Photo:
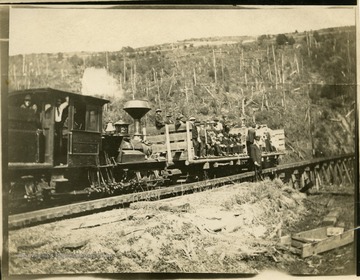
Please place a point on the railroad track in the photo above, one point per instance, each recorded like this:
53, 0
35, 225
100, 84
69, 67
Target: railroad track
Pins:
302, 175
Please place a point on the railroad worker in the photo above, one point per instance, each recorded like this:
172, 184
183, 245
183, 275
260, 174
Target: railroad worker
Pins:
238, 143
168, 119
194, 136
179, 122
256, 158
250, 138
210, 125
268, 144
28, 104
216, 144
225, 124
213, 126
218, 127
59, 123
159, 122
76, 123
203, 140
233, 145
211, 139
226, 144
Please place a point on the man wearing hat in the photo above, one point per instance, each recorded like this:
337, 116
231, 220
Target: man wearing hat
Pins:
195, 136
225, 125
159, 122
168, 119
218, 127
250, 138
256, 158
179, 122
61, 112
203, 139
28, 104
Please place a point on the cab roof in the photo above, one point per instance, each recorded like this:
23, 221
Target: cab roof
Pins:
55, 93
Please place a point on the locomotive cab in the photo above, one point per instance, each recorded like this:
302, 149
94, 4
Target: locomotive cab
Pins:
46, 134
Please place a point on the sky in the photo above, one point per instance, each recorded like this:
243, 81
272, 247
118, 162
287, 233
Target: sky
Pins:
59, 29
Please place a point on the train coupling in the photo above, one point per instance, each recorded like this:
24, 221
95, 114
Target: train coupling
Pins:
171, 174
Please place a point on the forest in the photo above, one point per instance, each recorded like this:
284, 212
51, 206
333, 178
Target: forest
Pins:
303, 82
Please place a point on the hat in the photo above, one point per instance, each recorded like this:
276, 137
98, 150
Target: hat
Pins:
158, 110
169, 115
179, 117
216, 119
197, 122
220, 135
28, 97
192, 119
211, 122
257, 137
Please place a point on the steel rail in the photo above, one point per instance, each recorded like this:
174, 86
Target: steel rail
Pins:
29, 218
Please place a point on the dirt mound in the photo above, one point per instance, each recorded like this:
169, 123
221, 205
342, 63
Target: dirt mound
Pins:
220, 230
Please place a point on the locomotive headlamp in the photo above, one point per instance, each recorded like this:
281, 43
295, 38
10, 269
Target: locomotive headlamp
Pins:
122, 128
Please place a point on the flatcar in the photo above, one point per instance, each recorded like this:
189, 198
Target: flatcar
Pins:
58, 147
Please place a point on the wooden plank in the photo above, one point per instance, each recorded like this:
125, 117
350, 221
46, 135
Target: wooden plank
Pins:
333, 173
297, 244
189, 143
85, 148
156, 139
317, 179
158, 148
313, 233
308, 240
347, 172
325, 174
86, 137
178, 146
328, 244
294, 181
286, 240
168, 148
339, 172
329, 221
175, 137
331, 231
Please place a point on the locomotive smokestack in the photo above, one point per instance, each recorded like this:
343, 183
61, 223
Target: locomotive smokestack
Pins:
137, 109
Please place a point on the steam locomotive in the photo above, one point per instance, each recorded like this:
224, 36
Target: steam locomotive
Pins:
83, 160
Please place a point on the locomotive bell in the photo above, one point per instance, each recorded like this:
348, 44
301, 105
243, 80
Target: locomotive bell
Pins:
137, 109
122, 128
109, 128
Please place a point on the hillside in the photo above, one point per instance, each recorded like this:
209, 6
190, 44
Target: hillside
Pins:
302, 82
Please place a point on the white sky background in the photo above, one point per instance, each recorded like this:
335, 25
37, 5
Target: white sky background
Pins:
52, 30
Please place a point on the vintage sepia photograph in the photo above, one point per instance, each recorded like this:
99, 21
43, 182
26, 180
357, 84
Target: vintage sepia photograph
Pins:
177, 140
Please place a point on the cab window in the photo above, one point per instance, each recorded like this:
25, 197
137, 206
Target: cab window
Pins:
92, 118
79, 116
